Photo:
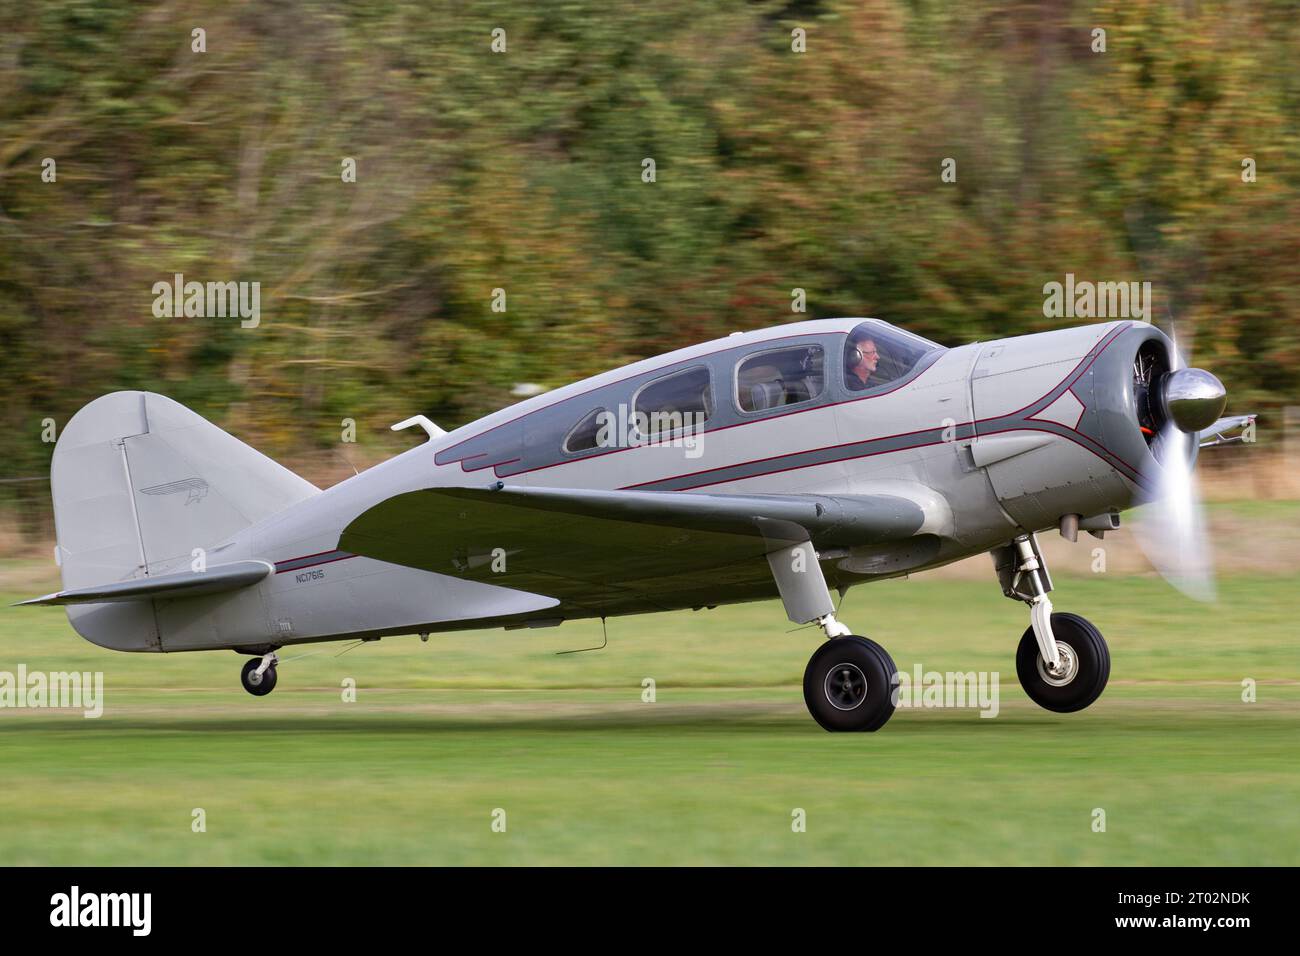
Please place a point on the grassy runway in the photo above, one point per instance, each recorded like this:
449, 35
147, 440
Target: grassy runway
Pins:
444, 733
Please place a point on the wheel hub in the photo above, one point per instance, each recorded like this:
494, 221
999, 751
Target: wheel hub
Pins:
1065, 672
845, 686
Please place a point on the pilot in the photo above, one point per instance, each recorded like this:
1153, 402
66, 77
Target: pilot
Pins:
860, 359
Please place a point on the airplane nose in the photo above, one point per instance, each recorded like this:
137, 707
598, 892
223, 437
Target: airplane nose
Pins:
1194, 399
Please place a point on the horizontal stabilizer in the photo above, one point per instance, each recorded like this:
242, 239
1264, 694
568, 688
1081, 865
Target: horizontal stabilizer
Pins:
222, 577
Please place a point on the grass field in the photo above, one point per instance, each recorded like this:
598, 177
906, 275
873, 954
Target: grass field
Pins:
442, 734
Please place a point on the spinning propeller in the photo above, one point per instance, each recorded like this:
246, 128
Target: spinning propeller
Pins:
1171, 530
1184, 401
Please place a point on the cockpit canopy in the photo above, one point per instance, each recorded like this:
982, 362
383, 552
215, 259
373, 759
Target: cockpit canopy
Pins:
876, 353
715, 386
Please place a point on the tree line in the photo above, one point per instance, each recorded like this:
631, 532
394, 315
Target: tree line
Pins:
435, 212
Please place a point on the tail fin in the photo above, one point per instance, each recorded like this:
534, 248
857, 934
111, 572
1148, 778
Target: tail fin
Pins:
139, 481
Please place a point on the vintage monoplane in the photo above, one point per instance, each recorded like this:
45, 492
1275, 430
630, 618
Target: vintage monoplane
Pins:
786, 462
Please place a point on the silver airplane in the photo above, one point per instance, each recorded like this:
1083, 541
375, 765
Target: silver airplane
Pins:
784, 462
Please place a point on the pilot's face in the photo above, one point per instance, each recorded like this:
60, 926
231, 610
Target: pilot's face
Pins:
870, 357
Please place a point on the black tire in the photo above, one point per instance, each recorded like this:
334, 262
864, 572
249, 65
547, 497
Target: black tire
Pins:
1091, 671
265, 685
850, 684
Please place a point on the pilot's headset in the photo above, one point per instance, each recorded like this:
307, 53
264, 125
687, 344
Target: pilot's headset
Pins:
853, 355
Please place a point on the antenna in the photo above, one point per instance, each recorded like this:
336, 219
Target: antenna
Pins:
601, 647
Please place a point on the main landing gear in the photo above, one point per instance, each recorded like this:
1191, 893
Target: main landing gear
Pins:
258, 675
851, 682
1063, 662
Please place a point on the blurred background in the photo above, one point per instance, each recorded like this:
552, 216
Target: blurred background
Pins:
522, 170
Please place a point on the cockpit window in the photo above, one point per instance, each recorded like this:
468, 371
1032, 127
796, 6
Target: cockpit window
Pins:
780, 377
876, 354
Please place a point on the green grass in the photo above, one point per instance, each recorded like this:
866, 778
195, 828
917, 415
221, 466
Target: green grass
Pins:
443, 733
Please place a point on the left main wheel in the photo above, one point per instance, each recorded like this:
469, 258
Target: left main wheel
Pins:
850, 684
258, 686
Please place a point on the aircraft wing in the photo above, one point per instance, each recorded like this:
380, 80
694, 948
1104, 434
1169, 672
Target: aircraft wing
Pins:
603, 549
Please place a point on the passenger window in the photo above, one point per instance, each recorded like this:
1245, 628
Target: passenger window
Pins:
683, 400
584, 434
782, 377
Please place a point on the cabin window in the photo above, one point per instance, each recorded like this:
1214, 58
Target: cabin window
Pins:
788, 376
681, 400
877, 353
584, 435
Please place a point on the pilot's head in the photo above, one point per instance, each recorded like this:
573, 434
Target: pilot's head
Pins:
862, 360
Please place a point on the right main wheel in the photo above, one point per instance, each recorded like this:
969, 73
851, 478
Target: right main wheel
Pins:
1085, 665
850, 684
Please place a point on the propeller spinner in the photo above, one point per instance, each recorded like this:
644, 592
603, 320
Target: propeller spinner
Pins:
1194, 399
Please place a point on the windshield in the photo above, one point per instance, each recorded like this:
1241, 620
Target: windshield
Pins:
876, 353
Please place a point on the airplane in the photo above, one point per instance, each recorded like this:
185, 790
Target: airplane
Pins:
783, 463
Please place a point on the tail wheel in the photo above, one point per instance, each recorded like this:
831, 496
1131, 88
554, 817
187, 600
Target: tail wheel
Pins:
850, 683
1084, 670
257, 685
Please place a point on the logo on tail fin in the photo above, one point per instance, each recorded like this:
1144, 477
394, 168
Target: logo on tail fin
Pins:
196, 487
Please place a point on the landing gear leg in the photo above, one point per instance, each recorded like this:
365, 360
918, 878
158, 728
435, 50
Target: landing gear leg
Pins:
850, 683
1063, 662
258, 675
1031, 584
